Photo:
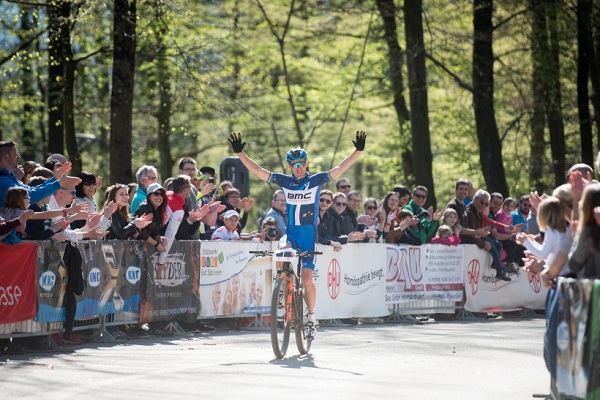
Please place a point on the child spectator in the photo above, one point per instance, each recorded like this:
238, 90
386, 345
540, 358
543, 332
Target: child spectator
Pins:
16, 201
450, 218
445, 235
400, 232
504, 214
229, 231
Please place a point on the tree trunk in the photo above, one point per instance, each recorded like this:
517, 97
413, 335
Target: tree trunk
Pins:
387, 9
554, 99
69, 113
539, 38
583, 99
163, 74
121, 104
490, 147
58, 16
595, 63
27, 87
417, 84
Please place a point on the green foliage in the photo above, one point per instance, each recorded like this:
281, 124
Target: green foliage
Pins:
226, 74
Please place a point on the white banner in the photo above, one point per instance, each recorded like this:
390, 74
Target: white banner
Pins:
234, 282
351, 283
427, 272
485, 292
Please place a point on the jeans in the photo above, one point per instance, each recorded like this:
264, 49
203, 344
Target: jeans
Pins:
495, 252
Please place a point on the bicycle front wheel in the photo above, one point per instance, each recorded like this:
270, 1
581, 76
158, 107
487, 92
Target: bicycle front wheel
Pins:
301, 342
281, 314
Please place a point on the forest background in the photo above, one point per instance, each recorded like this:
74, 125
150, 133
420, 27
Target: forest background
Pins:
506, 94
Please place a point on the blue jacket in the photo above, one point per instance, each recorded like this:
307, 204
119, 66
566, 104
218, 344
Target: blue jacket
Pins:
37, 193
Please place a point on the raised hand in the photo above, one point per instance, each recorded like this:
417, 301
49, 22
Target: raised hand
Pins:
361, 138
236, 142
63, 170
110, 209
247, 204
75, 208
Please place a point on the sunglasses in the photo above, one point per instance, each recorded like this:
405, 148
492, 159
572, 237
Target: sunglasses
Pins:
421, 196
324, 200
345, 186
340, 204
371, 207
158, 194
90, 184
298, 164
73, 192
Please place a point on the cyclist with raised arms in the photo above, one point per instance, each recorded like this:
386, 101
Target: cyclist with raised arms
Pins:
301, 191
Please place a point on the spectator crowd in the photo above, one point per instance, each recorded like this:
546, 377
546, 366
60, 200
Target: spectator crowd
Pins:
553, 234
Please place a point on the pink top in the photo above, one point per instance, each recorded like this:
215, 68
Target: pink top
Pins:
453, 240
503, 218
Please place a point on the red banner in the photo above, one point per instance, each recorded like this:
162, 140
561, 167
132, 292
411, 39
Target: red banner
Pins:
17, 282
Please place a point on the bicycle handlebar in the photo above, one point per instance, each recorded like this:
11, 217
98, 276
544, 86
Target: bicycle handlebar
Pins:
265, 253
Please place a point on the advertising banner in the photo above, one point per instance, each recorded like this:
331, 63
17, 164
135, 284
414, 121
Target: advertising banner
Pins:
573, 308
171, 293
234, 282
112, 271
51, 281
593, 345
427, 272
351, 282
17, 282
486, 292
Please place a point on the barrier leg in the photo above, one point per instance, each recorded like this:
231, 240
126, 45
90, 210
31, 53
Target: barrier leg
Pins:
259, 324
101, 335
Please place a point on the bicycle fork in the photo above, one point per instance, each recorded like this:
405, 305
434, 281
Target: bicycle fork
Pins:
289, 304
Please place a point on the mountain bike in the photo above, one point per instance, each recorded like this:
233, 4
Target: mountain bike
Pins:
287, 304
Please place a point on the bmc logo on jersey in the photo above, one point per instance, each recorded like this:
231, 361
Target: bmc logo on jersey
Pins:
300, 197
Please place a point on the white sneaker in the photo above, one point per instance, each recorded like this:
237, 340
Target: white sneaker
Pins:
311, 330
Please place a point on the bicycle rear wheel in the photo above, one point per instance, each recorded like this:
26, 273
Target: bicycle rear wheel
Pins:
302, 344
281, 313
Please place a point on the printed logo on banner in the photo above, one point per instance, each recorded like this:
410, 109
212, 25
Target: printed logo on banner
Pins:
47, 281
133, 274
173, 272
473, 271
94, 277
407, 269
334, 277
534, 281
10, 295
562, 335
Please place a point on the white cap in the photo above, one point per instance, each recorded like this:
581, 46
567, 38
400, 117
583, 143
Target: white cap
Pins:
231, 213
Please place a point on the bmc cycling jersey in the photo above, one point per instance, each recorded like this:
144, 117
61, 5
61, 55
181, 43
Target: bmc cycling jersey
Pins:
302, 203
301, 196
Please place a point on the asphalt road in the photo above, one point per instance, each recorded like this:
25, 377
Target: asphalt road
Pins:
473, 359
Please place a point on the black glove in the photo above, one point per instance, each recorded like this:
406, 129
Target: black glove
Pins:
361, 138
236, 142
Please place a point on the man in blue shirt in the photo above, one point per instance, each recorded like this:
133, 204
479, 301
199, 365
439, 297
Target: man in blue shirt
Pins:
301, 190
519, 216
9, 160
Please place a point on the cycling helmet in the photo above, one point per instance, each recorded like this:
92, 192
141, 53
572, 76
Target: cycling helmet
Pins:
295, 155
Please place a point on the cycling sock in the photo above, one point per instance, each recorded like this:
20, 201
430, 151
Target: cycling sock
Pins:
311, 315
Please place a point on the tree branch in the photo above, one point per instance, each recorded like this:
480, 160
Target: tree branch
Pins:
21, 47
456, 78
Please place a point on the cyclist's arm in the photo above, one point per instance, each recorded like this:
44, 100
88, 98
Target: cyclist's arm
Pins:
253, 167
336, 172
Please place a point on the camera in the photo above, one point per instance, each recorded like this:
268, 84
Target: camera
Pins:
211, 180
272, 233
421, 214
